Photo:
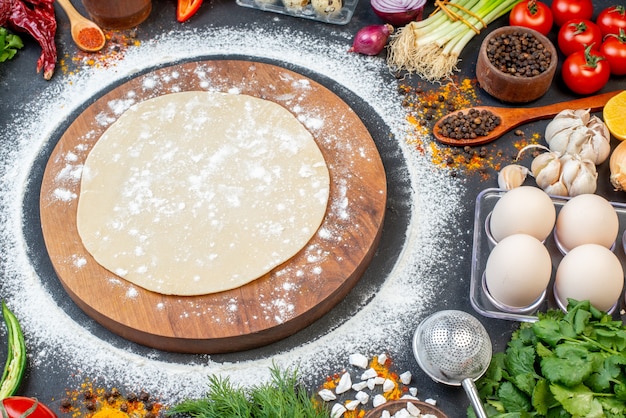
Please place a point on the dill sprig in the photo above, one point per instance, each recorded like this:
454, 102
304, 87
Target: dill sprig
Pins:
284, 395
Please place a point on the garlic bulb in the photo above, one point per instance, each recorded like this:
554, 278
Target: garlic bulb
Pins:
546, 168
577, 132
578, 174
617, 165
512, 176
564, 174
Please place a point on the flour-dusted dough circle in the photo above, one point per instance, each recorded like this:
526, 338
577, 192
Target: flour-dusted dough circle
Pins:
197, 192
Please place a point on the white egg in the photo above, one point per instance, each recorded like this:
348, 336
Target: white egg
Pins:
518, 270
523, 210
590, 272
586, 219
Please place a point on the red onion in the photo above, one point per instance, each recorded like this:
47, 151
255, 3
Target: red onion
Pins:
371, 40
398, 12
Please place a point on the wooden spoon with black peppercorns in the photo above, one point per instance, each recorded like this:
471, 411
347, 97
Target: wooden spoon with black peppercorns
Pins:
462, 128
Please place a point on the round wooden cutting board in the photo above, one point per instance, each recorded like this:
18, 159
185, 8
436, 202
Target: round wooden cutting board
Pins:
276, 305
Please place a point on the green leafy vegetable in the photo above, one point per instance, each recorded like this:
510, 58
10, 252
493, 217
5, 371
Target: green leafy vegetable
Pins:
283, 396
9, 44
564, 365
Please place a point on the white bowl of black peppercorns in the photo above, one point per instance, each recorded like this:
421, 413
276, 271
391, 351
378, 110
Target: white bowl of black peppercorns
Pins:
516, 64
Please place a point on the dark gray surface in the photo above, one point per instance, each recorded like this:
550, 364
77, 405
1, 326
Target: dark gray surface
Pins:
18, 79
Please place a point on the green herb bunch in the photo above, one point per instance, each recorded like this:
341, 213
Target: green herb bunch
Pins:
9, 44
283, 396
563, 365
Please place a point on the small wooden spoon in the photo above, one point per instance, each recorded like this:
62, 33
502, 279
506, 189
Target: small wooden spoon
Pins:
80, 23
514, 117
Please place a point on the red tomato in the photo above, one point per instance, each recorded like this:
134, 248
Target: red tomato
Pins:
612, 19
614, 49
577, 34
564, 10
532, 14
16, 406
586, 72
186, 8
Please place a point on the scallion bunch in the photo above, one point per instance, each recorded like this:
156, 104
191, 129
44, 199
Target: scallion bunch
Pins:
431, 47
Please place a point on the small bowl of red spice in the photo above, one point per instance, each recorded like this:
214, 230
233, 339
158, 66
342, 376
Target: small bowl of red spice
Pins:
516, 64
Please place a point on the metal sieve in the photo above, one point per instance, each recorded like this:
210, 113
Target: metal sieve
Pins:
453, 347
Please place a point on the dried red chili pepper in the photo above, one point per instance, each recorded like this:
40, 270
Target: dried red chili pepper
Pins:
5, 11
38, 19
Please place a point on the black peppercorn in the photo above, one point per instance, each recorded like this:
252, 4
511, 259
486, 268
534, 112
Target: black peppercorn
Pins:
144, 396
518, 54
468, 125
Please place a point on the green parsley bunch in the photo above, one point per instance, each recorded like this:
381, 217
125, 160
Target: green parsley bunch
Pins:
9, 44
563, 365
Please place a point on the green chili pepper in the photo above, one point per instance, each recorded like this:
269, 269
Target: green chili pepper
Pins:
16, 355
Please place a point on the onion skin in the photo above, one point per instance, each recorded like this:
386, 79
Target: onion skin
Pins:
398, 12
400, 18
371, 40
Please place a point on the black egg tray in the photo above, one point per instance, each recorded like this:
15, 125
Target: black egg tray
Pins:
480, 300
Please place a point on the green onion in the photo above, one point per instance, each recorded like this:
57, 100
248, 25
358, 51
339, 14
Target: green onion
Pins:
431, 47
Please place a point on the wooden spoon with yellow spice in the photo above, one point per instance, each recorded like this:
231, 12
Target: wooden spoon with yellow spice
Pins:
86, 34
510, 118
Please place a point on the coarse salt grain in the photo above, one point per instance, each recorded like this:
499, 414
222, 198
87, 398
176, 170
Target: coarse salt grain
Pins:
337, 410
60, 340
345, 383
378, 400
358, 360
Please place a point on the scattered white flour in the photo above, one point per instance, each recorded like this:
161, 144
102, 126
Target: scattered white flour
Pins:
383, 324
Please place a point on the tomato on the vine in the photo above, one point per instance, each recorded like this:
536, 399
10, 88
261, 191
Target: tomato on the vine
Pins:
586, 72
564, 10
18, 406
614, 49
578, 34
612, 19
532, 14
